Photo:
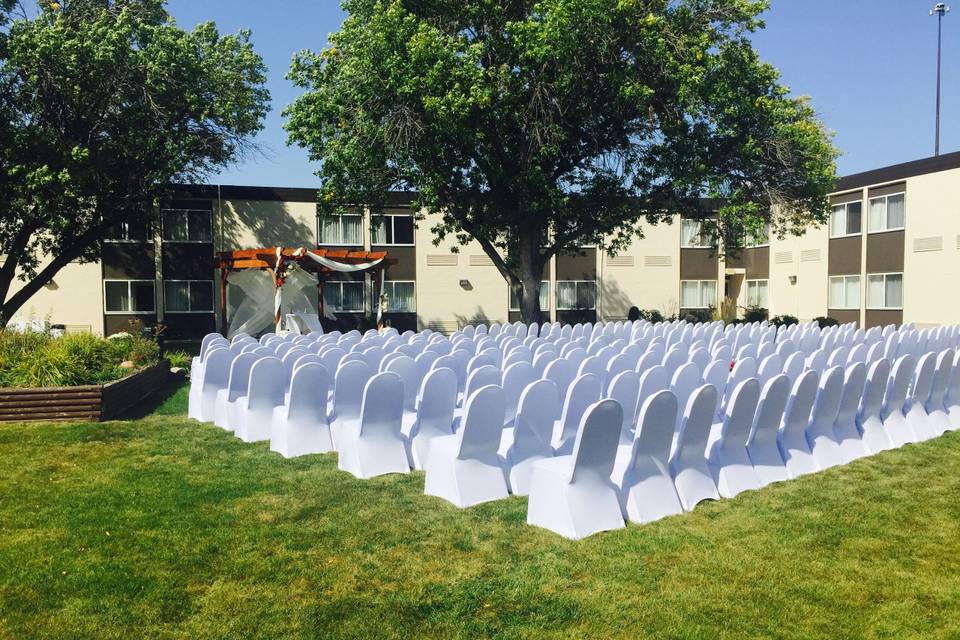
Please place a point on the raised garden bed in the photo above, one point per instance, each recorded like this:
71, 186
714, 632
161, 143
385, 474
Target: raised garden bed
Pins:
88, 403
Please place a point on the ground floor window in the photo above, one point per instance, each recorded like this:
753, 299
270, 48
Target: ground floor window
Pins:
401, 296
188, 296
698, 294
576, 295
757, 293
544, 297
844, 292
128, 296
343, 296
885, 291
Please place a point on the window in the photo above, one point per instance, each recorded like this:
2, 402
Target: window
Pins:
758, 239
757, 293
544, 297
187, 225
342, 230
887, 213
393, 230
693, 236
844, 292
845, 219
401, 296
698, 294
885, 291
343, 296
128, 296
130, 231
188, 296
576, 294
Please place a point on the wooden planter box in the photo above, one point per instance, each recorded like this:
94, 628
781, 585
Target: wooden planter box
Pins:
91, 403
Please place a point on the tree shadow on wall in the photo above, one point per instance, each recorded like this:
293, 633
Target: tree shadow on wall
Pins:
270, 223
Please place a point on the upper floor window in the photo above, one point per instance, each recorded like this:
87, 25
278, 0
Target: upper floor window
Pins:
576, 295
401, 296
759, 238
188, 296
693, 235
341, 230
698, 294
885, 291
187, 225
757, 293
845, 219
128, 296
129, 231
544, 297
844, 292
393, 229
344, 296
887, 213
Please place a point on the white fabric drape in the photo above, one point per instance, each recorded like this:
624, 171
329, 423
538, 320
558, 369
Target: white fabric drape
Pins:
251, 297
341, 267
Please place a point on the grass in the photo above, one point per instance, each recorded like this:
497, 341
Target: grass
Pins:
162, 528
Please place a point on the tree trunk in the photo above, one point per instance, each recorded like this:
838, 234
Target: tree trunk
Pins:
530, 271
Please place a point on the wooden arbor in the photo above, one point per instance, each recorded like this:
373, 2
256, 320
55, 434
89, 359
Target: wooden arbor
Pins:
278, 260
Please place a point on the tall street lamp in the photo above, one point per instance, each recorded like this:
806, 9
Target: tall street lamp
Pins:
940, 9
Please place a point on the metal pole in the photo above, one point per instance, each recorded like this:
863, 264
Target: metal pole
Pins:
940, 9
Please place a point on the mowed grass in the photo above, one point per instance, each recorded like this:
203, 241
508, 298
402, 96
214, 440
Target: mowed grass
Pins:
163, 528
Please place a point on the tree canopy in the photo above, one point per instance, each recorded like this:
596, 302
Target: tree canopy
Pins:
106, 104
539, 126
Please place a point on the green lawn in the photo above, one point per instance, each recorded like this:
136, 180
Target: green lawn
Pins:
163, 528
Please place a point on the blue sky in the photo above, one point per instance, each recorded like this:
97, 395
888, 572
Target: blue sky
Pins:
869, 66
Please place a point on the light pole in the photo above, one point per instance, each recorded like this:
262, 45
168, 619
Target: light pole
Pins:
940, 9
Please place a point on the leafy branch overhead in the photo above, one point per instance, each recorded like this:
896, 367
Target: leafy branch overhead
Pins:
535, 127
106, 105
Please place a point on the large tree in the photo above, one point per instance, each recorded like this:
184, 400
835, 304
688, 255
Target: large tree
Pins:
538, 126
105, 104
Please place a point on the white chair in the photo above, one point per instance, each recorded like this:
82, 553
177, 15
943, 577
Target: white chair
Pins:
216, 376
952, 401
438, 397
869, 422
409, 372
728, 460
845, 426
762, 441
573, 495
264, 393
529, 440
792, 437
646, 487
684, 382
516, 377
894, 421
373, 446
937, 417
820, 435
349, 383
560, 372
224, 405
688, 464
464, 468
915, 409
197, 372
301, 427
583, 392
625, 389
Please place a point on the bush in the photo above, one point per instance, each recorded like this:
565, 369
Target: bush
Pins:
755, 314
826, 321
784, 320
651, 315
179, 359
37, 359
699, 315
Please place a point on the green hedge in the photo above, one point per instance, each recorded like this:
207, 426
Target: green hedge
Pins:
33, 359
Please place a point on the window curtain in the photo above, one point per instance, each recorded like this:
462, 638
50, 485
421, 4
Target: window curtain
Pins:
176, 296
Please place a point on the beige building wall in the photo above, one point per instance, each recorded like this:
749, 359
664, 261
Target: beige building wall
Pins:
646, 275
932, 249
441, 297
74, 298
804, 259
251, 224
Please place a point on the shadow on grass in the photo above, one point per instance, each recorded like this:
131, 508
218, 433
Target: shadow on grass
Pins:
169, 400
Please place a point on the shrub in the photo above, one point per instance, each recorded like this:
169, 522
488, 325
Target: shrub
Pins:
784, 320
826, 321
699, 315
143, 352
179, 359
651, 315
755, 314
